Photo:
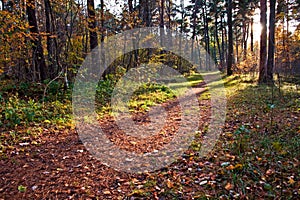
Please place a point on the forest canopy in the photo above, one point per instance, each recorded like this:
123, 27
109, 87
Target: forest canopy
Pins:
43, 39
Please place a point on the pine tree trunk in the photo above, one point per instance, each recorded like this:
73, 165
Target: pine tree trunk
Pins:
271, 52
230, 39
218, 40
251, 36
223, 32
263, 43
206, 37
237, 46
161, 20
194, 16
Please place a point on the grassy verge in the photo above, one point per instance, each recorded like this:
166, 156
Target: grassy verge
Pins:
257, 157
24, 116
147, 95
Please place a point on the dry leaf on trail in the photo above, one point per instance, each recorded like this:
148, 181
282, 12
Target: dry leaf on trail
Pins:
106, 192
170, 184
229, 186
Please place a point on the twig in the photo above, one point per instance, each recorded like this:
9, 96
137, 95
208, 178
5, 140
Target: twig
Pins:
45, 90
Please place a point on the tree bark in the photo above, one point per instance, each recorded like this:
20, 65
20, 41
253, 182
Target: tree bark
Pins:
224, 50
130, 6
92, 24
161, 21
251, 36
194, 33
102, 21
37, 48
230, 39
145, 12
271, 52
218, 39
245, 39
51, 41
237, 45
206, 36
263, 43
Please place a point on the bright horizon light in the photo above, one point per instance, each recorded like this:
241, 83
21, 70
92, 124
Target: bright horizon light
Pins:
116, 8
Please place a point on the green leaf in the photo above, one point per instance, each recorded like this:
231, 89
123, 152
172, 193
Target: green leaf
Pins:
21, 188
267, 186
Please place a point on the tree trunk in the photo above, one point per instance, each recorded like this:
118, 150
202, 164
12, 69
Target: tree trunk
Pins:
92, 24
37, 49
194, 16
2, 5
181, 32
263, 43
224, 50
102, 21
271, 52
245, 40
130, 6
251, 36
169, 12
237, 46
51, 41
288, 56
145, 12
161, 21
230, 39
169, 16
206, 36
218, 40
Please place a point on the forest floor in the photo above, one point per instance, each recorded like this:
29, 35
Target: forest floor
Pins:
256, 156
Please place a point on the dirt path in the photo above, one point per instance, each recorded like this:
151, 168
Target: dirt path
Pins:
61, 168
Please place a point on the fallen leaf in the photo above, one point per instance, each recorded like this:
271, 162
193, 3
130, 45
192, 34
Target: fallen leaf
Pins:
229, 186
106, 192
230, 167
270, 172
258, 158
203, 182
169, 184
225, 164
22, 188
34, 187
291, 181
238, 166
24, 144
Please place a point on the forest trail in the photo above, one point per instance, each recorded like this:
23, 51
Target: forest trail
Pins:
252, 157
60, 167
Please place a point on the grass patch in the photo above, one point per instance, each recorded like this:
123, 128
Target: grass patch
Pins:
23, 115
256, 157
146, 96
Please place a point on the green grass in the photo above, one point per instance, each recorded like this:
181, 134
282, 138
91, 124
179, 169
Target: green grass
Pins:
149, 95
260, 143
146, 96
24, 116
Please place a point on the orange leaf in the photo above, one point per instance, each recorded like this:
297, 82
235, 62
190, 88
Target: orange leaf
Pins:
106, 192
229, 186
291, 181
170, 184
230, 167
